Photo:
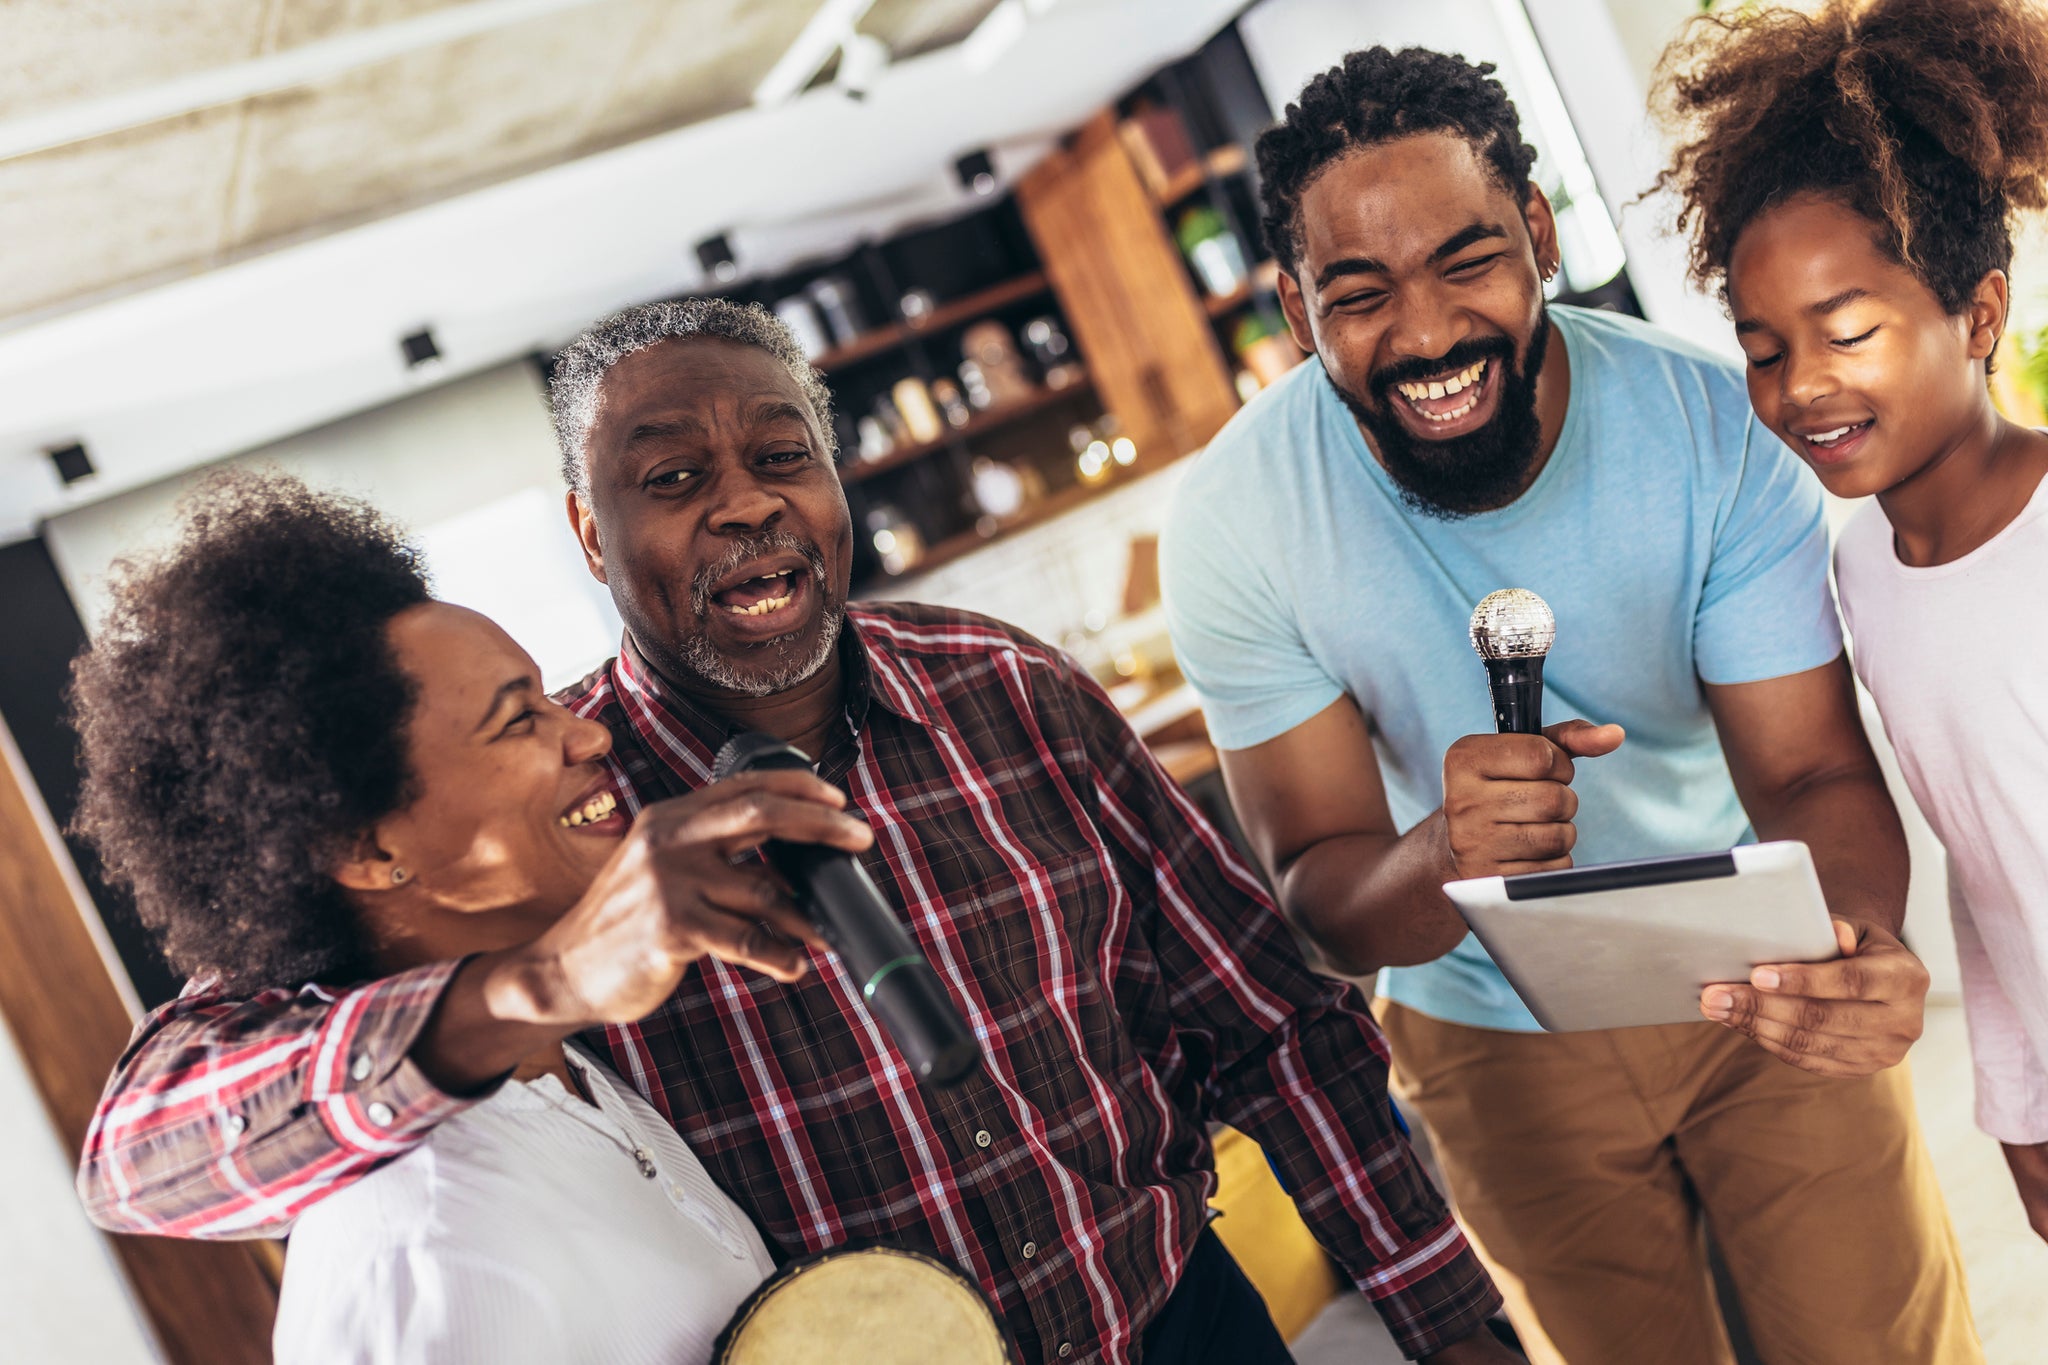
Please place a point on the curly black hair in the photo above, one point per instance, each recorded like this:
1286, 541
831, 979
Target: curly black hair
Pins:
1930, 120
243, 721
1377, 96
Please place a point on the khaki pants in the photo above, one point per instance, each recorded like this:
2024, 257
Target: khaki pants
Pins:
1581, 1163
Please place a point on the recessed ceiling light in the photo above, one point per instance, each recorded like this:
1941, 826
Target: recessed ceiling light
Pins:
422, 354
976, 172
714, 254
72, 462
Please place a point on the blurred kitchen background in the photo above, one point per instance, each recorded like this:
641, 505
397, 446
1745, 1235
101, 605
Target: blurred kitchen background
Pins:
346, 237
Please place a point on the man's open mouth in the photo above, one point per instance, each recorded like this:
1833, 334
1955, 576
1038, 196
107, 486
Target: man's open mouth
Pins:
1449, 397
761, 595
1448, 403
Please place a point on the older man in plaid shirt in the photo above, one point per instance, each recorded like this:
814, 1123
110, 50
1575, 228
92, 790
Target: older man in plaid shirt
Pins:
1125, 973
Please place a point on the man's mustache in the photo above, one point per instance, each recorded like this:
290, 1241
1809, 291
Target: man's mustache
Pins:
1466, 352
744, 549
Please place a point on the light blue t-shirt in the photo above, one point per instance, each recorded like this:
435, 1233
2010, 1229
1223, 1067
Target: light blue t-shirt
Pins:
1676, 539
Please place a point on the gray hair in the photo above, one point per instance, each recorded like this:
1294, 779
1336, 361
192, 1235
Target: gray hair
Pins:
576, 392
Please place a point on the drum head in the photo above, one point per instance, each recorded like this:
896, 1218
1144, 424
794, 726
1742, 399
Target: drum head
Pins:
876, 1305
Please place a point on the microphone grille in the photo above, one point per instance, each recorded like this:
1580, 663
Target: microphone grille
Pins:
1513, 623
752, 749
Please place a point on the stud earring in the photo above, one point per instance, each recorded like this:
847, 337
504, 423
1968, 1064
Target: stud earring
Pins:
398, 876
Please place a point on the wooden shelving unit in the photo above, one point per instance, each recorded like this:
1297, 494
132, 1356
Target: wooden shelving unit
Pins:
1044, 510
1099, 215
1129, 302
1263, 280
959, 310
1227, 160
978, 425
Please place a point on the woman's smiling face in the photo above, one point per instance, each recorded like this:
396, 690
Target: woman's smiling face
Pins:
1852, 360
512, 813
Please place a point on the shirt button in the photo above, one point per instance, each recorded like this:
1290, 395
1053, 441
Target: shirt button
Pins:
380, 1114
236, 1124
1030, 1250
361, 1070
1066, 1349
982, 1139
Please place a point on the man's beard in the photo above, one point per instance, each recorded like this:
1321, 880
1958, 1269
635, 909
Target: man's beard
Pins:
1460, 475
774, 666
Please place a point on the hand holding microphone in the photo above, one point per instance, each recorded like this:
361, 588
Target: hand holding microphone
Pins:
1508, 802
895, 982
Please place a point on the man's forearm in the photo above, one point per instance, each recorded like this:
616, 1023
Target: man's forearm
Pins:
1368, 901
1859, 847
496, 1012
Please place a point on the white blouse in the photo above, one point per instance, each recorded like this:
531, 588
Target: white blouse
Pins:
531, 1227
1956, 656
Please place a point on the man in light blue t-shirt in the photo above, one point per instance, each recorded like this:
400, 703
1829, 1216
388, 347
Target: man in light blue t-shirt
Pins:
1452, 436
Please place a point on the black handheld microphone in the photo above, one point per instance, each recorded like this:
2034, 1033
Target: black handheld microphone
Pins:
900, 987
1513, 629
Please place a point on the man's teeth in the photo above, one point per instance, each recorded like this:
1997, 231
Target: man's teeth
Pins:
768, 604
1445, 388
593, 810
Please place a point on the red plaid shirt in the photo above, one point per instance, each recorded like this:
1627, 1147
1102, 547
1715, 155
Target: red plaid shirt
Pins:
1126, 974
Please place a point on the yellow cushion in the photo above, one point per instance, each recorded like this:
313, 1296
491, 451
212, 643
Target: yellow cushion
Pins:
1265, 1234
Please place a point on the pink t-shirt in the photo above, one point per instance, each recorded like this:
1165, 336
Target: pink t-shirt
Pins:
1957, 658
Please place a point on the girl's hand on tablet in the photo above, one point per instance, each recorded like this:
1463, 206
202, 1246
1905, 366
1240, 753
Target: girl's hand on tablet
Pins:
1854, 1016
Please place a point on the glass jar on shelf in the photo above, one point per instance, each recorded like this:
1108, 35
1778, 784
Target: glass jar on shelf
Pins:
1212, 250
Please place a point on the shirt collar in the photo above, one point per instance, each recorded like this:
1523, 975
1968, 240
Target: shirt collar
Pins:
885, 677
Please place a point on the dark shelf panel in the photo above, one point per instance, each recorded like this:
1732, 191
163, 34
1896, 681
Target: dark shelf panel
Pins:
979, 424
945, 315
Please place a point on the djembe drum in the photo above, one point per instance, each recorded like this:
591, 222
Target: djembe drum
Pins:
876, 1305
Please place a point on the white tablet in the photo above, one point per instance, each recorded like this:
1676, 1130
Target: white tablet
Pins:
1617, 945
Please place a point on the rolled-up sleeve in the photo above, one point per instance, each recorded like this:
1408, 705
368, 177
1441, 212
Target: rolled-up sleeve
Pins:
226, 1118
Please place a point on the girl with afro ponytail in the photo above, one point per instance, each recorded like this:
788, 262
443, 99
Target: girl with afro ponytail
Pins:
1850, 177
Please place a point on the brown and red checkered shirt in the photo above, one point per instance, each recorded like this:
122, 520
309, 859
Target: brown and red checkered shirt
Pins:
1127, 976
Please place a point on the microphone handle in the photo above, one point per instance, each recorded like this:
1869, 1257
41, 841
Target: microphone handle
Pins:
1517, 686
896, 983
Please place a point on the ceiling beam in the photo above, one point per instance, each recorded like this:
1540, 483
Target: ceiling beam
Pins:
830, 27
297, 66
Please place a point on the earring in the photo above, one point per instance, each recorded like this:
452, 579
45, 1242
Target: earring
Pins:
398, 876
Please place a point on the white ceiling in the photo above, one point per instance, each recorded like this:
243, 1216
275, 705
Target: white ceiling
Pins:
199, 285
535, 84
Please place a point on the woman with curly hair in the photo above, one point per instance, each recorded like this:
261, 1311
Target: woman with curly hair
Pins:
1850, 178
310, 770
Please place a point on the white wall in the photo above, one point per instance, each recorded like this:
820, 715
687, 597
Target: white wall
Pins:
470, 468
63, 1297
1063, 580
